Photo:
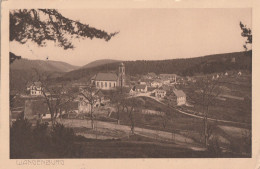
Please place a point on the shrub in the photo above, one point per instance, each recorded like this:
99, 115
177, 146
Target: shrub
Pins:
63, 141
41, 136
214, 147
20, 139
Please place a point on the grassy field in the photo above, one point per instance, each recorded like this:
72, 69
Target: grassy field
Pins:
133, 147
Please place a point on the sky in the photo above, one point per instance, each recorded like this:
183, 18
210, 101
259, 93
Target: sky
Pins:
148, 34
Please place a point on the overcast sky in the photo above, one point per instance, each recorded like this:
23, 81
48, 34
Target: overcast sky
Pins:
148, 34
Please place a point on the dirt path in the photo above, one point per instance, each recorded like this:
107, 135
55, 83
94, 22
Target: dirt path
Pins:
193, 115
153, 134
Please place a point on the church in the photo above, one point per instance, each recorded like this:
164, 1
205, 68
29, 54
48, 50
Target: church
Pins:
108, 81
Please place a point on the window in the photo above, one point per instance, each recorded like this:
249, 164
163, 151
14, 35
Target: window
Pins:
105, 84
109, 84
101, 84
97, 84
114, 84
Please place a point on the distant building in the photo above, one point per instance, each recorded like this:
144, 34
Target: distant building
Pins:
180, 97
239, 73
139, 88
159, 93
171, 77
226, 74
108, 81
156, 83
35, 88
151, 75
233, 60
142, 83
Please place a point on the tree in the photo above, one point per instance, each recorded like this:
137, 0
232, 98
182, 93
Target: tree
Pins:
132, 105
56, 97
247, 33
42, 25
90, 95
208, 90
117, 98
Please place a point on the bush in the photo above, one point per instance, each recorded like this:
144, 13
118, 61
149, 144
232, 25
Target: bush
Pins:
63, 141
60, 141
20, 139
41, 136
214, 147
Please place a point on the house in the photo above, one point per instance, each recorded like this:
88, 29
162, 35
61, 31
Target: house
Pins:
156, 83
239, 73
226, 74
166, 82
168, 77
180, 97
142, 83
35, 88
108, 81
140, 88
151, 75
85, 107
160, 93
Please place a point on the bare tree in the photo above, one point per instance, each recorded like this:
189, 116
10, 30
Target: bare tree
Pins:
117, 98
208, 90
90, 97
55, 96
131, 106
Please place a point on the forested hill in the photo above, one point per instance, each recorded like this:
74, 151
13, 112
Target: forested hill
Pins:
189, 66
99, 63
41, 65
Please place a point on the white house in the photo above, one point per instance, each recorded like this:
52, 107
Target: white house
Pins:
140, 88
35, 88
160, 93
156, 84
239, 73
180, 97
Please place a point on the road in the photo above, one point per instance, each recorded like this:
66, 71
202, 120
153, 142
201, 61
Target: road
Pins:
153, 134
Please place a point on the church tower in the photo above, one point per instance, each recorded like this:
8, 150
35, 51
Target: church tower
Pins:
121, 75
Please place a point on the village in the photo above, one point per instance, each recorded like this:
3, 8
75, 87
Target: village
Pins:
162, 105
104, 84
161, 88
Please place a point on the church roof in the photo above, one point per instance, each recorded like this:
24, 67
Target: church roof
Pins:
106, 77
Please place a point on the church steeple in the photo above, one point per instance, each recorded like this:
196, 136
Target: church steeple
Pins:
121, 74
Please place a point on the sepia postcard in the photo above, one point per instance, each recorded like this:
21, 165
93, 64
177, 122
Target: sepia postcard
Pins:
130, 84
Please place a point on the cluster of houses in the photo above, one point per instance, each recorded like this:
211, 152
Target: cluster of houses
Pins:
160, 87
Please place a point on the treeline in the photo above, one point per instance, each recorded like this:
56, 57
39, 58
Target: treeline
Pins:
189, 66
186, 67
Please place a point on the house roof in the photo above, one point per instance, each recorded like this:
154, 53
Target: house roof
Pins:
159, 90
140, 86
37, 84
151, 74
106, 77
179, 93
